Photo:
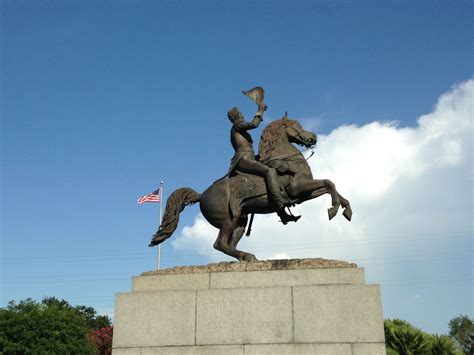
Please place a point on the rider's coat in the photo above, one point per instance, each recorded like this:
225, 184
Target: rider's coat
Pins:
242, 141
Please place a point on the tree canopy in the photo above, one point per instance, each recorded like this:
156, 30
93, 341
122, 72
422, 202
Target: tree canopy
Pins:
51, 326
402, 338
461, 329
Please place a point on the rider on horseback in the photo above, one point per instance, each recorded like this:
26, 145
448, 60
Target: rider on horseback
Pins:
245, 162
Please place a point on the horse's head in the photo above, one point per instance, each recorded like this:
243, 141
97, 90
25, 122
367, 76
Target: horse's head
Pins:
279, 133
296, 133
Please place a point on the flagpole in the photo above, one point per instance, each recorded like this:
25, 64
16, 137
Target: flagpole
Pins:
161, 216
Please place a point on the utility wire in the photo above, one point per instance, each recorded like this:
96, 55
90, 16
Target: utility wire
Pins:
358, 260
302, 246
442, 235
455, 258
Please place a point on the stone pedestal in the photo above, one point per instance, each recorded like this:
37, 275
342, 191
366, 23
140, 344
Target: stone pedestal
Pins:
301, 306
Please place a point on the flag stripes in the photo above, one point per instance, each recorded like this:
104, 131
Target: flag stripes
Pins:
155, 196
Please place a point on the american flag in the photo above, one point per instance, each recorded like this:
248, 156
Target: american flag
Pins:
155, 196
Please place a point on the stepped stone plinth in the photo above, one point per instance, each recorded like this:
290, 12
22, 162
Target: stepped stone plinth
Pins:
299, 306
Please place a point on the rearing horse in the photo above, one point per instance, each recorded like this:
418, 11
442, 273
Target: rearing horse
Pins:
227, 202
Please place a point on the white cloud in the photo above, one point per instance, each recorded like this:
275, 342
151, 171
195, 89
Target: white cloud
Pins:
411, 192
199, 238
279, 256
383, 170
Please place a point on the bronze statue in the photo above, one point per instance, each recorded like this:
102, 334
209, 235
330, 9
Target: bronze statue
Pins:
244, 159
280, 178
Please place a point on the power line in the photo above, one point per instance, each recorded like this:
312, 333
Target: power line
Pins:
416, 261
443, 235
301, 246
64, 281
128, 278
73, 275
423, 282
455, 252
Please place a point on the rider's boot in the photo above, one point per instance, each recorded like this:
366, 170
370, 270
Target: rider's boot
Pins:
285, 217
274, 189
294, 218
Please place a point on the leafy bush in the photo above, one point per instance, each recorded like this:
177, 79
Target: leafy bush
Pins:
461, 330
443, 345
402, 338
102, 339
50, 326
406, 339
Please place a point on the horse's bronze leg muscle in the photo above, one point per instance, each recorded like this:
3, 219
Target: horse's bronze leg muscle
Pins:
227, 240
300, 187
238, 232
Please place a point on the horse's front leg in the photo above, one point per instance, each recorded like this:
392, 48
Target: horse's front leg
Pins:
309, 189
347, 207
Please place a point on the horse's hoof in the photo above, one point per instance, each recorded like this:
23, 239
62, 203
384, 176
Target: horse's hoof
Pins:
332, 212
249, 258
347, 213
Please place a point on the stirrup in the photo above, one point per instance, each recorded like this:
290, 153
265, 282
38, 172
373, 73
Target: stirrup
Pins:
291, 214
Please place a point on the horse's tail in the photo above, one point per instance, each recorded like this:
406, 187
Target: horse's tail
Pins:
175, 204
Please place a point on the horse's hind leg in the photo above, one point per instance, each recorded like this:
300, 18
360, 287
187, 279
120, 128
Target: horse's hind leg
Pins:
228, 238
237, 236
238, 232
222, 238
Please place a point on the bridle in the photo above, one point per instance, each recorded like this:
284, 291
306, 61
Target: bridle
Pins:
287, 156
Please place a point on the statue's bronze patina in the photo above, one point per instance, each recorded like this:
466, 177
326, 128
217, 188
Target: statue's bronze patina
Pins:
278, 177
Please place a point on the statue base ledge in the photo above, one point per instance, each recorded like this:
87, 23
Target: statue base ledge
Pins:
264, 265
300, 306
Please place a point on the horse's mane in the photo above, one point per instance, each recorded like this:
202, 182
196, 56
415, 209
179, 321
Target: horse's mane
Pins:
269, 137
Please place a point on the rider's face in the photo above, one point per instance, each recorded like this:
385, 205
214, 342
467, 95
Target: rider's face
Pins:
240, 116
237, 116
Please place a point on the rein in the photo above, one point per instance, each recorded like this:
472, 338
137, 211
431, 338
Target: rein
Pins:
285, 156
312, 152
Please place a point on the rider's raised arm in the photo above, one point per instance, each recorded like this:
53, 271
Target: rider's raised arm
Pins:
249, 125
256, 120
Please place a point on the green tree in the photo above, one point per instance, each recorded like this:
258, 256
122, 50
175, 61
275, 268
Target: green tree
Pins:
404, 339
94, 321
443, 345
52, 326
461, 329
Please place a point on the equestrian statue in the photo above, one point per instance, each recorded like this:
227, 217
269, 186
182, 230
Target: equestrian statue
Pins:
272, 181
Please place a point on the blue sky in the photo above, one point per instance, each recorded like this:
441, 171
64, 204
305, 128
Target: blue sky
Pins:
102, 100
